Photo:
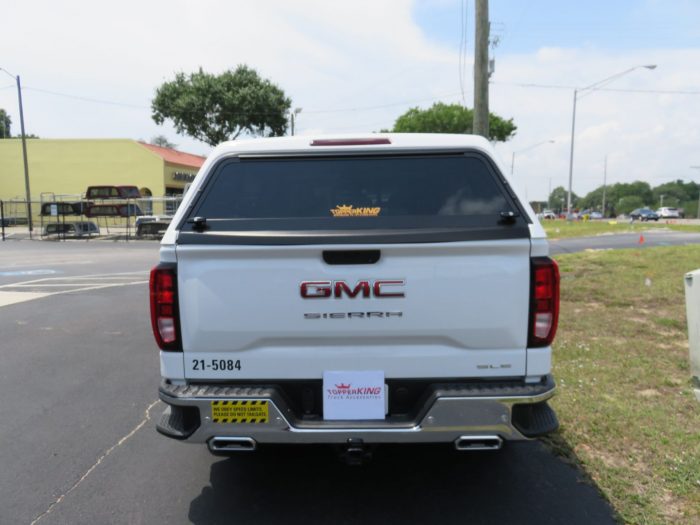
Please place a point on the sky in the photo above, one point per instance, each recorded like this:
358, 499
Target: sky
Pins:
89, 70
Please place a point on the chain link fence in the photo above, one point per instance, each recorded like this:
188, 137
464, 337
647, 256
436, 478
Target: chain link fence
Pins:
59, 217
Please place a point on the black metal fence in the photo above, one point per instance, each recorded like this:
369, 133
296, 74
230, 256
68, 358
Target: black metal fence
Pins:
69, 216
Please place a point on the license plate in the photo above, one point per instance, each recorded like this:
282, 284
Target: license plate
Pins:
240, 411
354, 395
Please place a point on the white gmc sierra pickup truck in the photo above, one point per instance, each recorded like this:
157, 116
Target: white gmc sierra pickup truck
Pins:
389, 288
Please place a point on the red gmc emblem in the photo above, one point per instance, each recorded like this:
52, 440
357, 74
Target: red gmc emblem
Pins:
364, 288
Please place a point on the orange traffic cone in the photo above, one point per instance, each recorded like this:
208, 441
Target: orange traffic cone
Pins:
641, 239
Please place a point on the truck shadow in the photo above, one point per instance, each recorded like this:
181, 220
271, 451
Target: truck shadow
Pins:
523, 483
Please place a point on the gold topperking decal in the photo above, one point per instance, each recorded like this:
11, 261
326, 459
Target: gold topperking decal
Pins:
240, 411
348, 210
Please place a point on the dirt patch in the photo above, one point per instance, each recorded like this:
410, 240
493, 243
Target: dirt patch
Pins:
649, 392
670, 507
608, 459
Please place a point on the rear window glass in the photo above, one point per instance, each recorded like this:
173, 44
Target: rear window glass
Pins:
415, 191
130, 192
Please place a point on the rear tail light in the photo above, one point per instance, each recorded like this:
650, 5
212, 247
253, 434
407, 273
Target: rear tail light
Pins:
544, 301
164, 310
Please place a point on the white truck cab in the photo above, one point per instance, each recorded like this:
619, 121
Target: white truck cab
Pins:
388, 288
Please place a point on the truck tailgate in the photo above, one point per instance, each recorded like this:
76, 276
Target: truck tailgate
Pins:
462, 310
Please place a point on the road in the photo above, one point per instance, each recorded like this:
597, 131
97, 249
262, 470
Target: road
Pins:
623, 240
78, 386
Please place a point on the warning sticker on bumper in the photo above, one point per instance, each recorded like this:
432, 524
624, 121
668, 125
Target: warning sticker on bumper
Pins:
240, 411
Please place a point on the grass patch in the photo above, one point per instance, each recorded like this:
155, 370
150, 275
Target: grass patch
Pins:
628, 414
560, 229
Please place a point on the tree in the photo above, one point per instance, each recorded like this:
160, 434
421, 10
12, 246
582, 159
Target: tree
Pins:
675, 193
451, 118
618, 194
557, 199
216, 108
5, 124
163, 142
629, 203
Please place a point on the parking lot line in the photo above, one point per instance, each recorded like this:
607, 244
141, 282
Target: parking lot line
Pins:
12, 293
8, 298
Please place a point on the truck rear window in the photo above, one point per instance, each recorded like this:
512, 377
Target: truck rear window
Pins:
353, 193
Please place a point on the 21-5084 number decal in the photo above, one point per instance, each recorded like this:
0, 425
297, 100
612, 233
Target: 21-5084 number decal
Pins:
216, 364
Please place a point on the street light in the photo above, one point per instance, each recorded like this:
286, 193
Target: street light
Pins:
24, 152
293, 114
512, 160
590, 89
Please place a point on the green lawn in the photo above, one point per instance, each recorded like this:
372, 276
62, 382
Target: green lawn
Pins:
628, 415
559, 229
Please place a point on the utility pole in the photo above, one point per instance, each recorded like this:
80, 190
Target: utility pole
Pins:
571, 156
605, 181
24, 156
481, 69
24, 151
585, 91
293, 114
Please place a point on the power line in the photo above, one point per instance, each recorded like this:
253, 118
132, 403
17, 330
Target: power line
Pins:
316, 111
382, 106
656, 91
531, 85
621, 90
86, 99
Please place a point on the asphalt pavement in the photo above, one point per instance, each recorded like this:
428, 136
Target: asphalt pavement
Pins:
78, 391
647, 239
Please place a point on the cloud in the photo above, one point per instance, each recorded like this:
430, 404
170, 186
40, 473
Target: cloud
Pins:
646, 136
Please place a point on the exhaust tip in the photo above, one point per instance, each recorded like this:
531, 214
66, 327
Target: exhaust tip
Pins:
478, 443
232, 444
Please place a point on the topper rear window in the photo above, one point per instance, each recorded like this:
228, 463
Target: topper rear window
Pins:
323, 194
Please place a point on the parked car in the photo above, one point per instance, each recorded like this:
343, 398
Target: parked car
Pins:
81, 207
596, 215
62, 208
668, 213
548, 214
14, 221
152, 226
112, 192
643, 214
113, 210
72, 229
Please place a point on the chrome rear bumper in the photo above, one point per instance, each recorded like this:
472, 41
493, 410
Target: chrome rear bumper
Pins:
452, 413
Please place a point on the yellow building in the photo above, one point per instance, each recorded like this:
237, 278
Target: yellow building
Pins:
69, 166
